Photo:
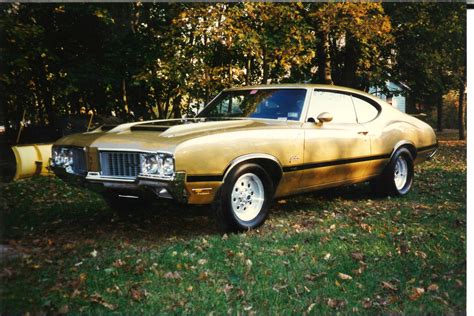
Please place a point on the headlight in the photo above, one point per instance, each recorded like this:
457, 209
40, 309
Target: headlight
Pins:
157, 164
63, 158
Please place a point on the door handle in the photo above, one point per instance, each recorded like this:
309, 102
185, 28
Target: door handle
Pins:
362, 133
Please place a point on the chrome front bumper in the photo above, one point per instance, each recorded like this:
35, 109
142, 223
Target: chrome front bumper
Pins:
168, 188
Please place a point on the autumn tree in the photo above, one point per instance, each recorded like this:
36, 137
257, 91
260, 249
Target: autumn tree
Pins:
353, 41
430, 51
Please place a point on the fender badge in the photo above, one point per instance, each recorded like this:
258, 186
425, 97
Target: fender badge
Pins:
294, 158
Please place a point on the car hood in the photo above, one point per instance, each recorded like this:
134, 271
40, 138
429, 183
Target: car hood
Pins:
162, 134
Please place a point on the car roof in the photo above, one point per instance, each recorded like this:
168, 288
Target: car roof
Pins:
305, 86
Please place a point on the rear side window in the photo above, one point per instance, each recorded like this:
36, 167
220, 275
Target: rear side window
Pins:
338, 104
366, 112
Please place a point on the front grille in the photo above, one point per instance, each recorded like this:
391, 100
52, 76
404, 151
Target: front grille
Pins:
120, 164
79, 160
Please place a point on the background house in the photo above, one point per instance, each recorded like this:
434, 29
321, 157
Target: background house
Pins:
395, 93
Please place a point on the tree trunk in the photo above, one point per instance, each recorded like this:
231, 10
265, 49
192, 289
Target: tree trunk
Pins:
177, 107
124, 96
350, 62
247, 75
462, 135
265, 66
324, 60
439, 108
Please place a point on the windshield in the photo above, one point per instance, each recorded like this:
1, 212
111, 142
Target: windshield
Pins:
278, 104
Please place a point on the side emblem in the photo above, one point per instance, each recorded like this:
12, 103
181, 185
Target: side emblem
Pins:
294, 158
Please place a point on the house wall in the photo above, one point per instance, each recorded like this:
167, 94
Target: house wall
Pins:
398, 100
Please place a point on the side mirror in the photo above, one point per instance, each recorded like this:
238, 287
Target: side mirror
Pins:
325, 117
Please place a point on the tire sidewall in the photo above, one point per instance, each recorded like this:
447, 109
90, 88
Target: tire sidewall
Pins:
406, 154
232, 220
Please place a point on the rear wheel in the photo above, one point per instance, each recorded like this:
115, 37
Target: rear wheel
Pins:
244, 199
397, 178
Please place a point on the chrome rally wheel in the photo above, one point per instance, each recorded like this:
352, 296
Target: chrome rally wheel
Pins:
397, 177
248, 196
244, 199
400, 175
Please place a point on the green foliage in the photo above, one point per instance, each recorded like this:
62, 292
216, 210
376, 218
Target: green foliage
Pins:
430, 47
339, 250
164, 60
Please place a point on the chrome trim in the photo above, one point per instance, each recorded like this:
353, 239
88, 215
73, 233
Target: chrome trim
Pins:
243, 158
137, 151
92, 176
140, 175
128, 196
156, 177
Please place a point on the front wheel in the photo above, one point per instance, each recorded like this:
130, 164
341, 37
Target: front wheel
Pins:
398, 175
244, 199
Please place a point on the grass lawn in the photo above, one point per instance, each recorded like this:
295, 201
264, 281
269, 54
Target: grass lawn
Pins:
336, 250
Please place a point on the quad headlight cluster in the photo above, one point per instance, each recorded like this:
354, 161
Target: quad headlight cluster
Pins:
63, 157
157, 165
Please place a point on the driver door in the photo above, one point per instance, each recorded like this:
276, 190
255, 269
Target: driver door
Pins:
335, 152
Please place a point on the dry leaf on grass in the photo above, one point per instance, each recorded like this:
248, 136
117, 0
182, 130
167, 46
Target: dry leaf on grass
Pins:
344, 276
96, 298
416, 293
389, 286
336, 304
357, 256
433, 287
172, 275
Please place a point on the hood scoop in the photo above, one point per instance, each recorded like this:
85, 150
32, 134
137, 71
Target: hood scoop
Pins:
159, 128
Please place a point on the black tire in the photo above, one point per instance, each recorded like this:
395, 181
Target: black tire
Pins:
225, 209
386, 183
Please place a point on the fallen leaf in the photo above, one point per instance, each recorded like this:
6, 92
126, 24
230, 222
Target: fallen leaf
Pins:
389, 286
310, 307
203, 275
248, 263
433, 287
344, 276
416, 293
366, 227
421, 254
96, 298
172, 275
189, 288
118, 263
137, 295
459, 283
314, 276
367, 303
202, 261
336, 304
357, 256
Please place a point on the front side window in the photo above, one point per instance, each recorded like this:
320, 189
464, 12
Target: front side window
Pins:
278, 104
337, 104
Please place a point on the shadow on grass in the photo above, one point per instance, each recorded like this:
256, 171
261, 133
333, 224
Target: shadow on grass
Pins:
29, 209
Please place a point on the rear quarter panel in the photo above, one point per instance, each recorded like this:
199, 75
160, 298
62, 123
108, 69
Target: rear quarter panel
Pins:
393, 129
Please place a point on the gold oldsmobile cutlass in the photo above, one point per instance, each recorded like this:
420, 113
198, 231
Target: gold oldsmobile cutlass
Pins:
250, 145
